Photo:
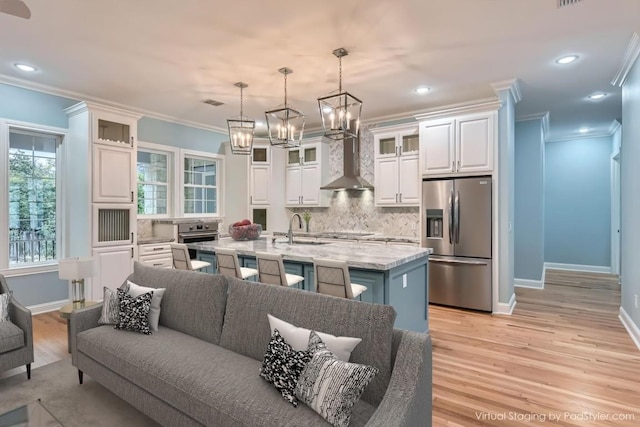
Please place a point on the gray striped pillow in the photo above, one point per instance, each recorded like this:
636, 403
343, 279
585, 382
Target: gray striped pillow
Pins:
110, 308
330, 386
4, 306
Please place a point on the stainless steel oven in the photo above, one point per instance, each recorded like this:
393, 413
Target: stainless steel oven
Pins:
200, 231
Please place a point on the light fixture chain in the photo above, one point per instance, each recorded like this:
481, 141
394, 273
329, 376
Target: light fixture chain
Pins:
340, 75
241, 115
285, 90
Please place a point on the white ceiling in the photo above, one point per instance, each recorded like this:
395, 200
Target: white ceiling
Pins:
166, 56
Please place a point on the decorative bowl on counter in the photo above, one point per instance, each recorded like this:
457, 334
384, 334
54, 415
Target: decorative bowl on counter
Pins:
245, 232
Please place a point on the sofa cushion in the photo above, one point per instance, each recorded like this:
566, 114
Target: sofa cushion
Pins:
213, 385
194, 303
246, 329
134, 312
11, 337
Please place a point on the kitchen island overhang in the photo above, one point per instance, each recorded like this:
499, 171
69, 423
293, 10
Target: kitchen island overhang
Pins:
393, 275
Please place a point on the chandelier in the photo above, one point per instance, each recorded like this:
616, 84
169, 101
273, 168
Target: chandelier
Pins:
340, 113
285, 126
241, 129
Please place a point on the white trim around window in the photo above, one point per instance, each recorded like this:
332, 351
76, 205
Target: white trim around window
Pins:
173, 182
220, 171
5, 126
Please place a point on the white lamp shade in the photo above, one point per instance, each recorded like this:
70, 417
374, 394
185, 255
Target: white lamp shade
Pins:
76, 268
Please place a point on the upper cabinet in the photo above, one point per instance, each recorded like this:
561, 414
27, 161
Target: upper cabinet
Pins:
307, 169
113, 174
260, 180
397, 179
114, 129
461, 144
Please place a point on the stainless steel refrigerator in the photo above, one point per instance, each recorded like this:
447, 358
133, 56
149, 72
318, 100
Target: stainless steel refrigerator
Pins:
457, 217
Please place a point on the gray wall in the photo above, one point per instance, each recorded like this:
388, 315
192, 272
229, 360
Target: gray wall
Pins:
529, 200
578, 202
630, 191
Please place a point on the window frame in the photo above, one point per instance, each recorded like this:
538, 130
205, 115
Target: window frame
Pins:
220, 171
62, 134
172, 181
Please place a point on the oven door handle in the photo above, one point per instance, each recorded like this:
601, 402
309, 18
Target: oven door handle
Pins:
214, 236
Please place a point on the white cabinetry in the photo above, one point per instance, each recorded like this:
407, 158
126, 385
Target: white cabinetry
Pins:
397, 179
260, 175
461, 144
307, 170
156, 255
105, 141
114, 266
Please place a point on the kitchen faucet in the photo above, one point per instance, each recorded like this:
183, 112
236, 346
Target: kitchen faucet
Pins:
290, 232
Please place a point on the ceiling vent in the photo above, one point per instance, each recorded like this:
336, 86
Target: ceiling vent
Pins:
213, 102
563, 3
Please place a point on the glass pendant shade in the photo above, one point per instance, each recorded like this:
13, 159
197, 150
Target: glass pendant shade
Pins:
241, 130
341, 112
285, 126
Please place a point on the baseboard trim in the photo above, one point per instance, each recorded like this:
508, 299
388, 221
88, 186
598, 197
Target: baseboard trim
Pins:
48, 306
528, 283
630, 326
506, 308
577, 267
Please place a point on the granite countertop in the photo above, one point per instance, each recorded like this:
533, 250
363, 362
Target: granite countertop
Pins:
184, 220
372, 257
347, 235
153, 239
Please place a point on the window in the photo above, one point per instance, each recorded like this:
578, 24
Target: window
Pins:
32, 197
153, 182
201, 184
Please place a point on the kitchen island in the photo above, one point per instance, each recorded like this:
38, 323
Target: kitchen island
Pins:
394, 275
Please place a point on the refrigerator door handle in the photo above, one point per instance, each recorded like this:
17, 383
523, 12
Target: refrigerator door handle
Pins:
450, 261
456, 216
451, 225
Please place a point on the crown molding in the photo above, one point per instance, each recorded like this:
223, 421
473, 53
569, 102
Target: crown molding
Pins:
614, 126
511, 85
393, 128
477, 106
39, 87
593, 135
543, 117
630, 58
83, 106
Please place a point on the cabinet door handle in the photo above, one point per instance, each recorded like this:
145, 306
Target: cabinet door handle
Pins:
131, 252
157, 249
132, 197
396, 197
453, 166
132, 142
302, 200
400, 197
131, 237
458, 166
157, 264
250, 200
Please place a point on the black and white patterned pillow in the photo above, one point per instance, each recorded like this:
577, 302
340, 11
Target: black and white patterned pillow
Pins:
4, 306
134, 312
110, 308
282, 366
330, 386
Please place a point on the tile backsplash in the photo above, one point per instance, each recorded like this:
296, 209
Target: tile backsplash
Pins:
356, 210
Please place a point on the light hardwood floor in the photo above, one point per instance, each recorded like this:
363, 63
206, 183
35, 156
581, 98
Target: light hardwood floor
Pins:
562, 352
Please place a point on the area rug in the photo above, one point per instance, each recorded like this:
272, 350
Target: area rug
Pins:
72, 404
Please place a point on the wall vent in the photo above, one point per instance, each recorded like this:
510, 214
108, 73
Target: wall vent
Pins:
563, 3
213, 102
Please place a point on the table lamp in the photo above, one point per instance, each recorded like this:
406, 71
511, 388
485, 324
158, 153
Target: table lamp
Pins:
76, 269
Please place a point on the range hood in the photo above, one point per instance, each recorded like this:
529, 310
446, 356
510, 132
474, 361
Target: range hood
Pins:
350, 179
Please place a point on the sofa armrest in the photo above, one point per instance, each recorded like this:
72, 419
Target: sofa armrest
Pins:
408, 399
21, 317
81, 320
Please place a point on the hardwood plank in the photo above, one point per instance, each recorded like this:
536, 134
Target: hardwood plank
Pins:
562, 354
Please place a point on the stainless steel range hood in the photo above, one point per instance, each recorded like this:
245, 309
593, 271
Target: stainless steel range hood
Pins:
350, 179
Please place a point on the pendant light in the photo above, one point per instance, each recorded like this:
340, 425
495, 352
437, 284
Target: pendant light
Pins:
241, 129
340, 113
285, 126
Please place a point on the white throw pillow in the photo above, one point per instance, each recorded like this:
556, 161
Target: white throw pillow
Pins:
154, 313
298, 338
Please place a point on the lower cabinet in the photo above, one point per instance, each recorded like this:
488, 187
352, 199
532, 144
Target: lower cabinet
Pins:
211, 259
114, 265
155, 255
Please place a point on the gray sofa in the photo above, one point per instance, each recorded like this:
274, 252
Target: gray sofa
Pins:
201, 366
16, 336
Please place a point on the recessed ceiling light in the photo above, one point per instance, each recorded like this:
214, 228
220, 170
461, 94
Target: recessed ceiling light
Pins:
422, 90
567, 59
597, 95
583, 130
26, 68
